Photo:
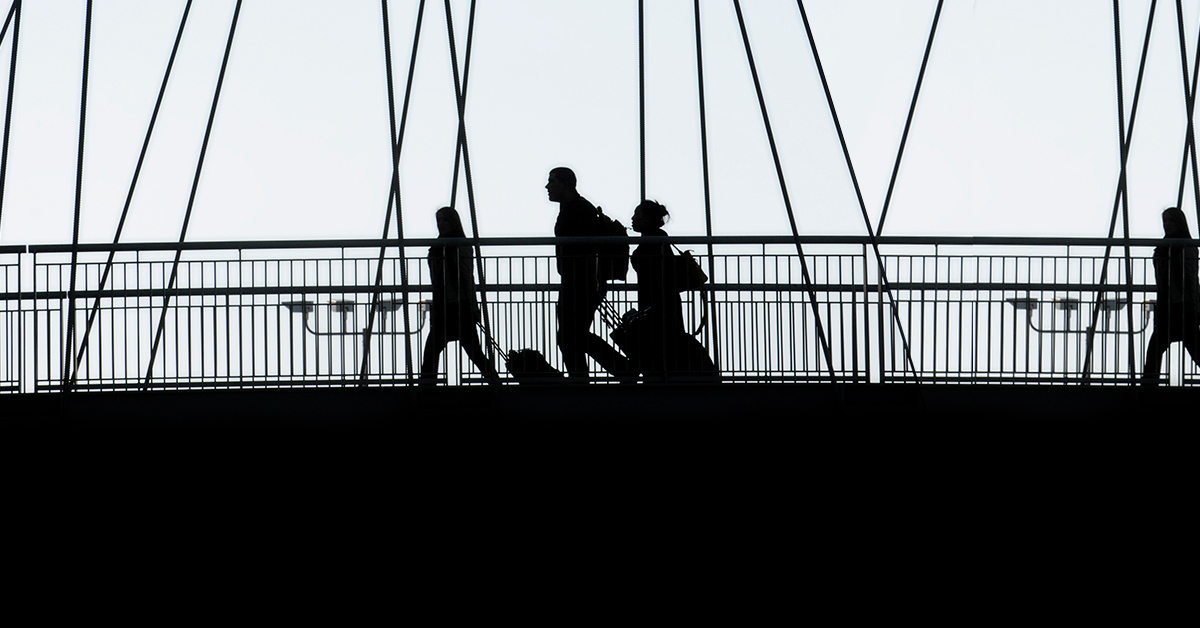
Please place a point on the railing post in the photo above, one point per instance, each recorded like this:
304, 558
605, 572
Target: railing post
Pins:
21, 348
866, 310
879, 299
33, 307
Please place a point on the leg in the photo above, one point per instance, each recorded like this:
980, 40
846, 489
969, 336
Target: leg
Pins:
470, 345
573, 321
433, 352
1154, 353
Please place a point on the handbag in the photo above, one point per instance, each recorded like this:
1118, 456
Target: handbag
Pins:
633, 331
689, 274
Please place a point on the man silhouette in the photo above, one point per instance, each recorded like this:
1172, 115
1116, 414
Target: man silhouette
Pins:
582, 289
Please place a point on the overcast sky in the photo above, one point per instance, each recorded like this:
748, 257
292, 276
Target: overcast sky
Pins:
1015, 133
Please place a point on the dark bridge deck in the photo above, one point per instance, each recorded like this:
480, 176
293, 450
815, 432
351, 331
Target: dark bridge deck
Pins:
554, 407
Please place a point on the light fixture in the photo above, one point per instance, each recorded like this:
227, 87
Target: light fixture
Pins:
299, 307
388, 305
1069, 304
1023, 303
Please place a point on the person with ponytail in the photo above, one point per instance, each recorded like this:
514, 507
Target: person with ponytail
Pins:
454, 311
1178, 301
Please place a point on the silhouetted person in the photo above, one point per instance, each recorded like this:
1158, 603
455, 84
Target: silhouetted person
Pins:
1178, 297
658, 294
582, 289
454, 311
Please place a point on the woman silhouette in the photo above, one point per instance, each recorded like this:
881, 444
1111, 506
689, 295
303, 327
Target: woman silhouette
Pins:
658, 294
1178, 297
454, 311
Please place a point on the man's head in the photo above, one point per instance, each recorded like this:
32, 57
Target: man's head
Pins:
560, 186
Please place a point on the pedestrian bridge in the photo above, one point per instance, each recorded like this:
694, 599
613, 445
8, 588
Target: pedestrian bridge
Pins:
352, 313
880, 323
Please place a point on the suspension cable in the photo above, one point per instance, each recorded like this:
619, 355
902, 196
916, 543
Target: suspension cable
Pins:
466, 74
787, 203
912, 108
708, 228
1128, 254
1189, 92
83, 346
69, 345
837, 124
396, 141
1124, 141
187, 216
642, 92
7, 20
14, 17
460, 97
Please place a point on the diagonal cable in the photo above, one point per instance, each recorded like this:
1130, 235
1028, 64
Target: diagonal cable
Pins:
1125, 139
857, 190
461, 99
1189, 91
912, 108
787, 202
396, 140
162, 90
14, 18
466, 74
187, 216
69, 346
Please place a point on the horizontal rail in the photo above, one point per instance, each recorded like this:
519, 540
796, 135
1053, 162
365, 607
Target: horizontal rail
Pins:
543, 241
529, 287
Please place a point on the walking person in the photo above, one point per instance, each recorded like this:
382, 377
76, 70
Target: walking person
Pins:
658, 294
582, 288
454, 311
1178, 299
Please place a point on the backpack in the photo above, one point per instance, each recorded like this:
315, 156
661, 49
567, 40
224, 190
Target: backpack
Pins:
613, 258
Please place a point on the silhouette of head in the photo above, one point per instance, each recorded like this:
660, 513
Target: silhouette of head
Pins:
560, 185
449, 224
648, 216
1175, 223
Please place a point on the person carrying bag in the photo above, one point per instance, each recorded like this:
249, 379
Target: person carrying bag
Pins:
654, 335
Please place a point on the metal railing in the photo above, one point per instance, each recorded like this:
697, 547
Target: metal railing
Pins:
282, 314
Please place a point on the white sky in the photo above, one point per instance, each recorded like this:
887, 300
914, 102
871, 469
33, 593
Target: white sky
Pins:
1015, 133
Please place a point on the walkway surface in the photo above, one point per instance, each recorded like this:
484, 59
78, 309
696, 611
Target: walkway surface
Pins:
565, 406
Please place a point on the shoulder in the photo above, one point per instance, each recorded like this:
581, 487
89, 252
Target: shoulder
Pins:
583, 205
576, 216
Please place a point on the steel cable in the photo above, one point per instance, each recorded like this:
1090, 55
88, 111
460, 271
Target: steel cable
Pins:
712, 272
837, 124
162, 321
83, 345
1189, 90
1125, 140
912, 108
642, 93
762, 104
460, 96
68, 345
14, 18
396, 141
